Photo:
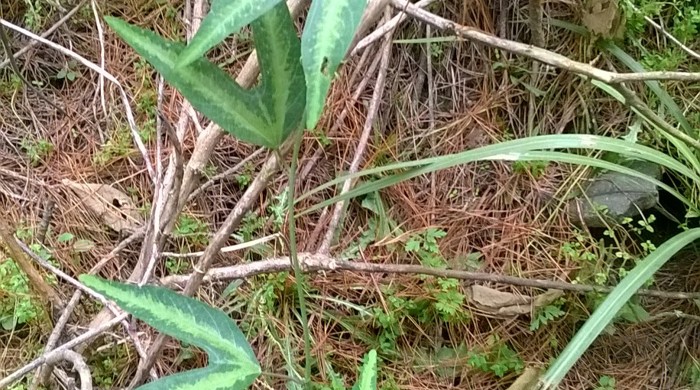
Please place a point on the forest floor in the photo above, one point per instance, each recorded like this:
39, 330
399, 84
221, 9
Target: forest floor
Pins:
440, 96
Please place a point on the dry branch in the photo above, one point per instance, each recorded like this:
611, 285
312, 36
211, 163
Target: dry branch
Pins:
314, 262
57, 353
36, 280
545, 56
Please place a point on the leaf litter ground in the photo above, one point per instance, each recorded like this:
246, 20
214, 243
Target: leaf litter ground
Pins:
497, 217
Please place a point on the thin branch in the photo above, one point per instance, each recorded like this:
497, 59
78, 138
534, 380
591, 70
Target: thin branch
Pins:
58, 352
37, 282
227, 249
545, 56
386, 28
311, 262
225, 174
79, 365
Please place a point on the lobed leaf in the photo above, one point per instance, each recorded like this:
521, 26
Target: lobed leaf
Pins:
225, 18
330, 28
283, 85
232, 363
209, 89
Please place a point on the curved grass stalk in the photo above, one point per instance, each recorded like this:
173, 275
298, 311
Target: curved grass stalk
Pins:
605, 313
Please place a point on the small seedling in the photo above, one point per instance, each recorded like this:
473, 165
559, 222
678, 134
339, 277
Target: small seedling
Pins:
606, 383
37, 149
68, 72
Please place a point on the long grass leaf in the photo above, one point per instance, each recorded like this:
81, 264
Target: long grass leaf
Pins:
605, 313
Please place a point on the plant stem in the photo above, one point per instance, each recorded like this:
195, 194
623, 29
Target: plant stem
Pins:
298, 274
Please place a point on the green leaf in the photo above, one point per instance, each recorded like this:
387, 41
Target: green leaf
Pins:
225, 17
209, 89
232, 363
654, 85
612, 304
330, 28
283, 85
368, 373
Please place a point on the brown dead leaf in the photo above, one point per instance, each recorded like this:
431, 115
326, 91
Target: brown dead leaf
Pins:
527, 380
113, 206
508, 304
603, 18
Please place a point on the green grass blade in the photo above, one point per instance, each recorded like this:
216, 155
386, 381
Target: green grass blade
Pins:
509, 150
209, 89
612, 305
653, 85
634, 66
330, 28
192, 321
225, 17
283, 84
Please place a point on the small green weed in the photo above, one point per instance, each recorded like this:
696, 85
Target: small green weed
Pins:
250, 226
691, 373
118, 146
278, 209
176, 266
36, 149
193, 230
34, 14
606, 383
106, 366
68, 71
446, 293
246, 176
546, 314
18, 305
10, 85
536, 169
498, 358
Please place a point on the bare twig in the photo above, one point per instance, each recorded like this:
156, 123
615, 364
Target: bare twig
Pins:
225, 174
227, 249
314, 262
57, 353
361, 144
46, 33
545, 56
79, 365
386, 28
37, 282
45, 221
42, 375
